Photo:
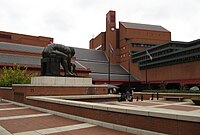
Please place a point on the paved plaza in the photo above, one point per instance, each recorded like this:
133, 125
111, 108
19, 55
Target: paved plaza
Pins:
163, 105
19, 120
23, 120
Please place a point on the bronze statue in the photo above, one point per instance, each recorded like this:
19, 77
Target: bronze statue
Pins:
63, 54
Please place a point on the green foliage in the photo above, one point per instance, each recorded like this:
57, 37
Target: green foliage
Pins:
197, 99
15, 75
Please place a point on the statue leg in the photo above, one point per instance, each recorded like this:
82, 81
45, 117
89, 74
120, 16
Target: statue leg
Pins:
65, 65
73, 67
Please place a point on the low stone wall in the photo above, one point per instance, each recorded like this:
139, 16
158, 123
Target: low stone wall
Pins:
90, 98
145, 120
61, 81
21, 91
6, 93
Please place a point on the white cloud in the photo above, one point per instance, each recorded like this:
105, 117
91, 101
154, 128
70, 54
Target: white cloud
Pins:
73, 22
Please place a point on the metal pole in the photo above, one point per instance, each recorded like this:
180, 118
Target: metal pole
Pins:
157, 95
129, 68
146, 72
109, 69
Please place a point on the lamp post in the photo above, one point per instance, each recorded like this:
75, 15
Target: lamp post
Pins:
109, 70
129, 61
129, 70
129, 64
111, 50
146, 73
150, 57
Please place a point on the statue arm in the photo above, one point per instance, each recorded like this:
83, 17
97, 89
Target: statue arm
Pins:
60, 53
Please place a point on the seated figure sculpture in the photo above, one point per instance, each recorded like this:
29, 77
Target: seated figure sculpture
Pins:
61, 53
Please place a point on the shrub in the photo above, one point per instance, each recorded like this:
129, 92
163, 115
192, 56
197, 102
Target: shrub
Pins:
15, 75
196, 100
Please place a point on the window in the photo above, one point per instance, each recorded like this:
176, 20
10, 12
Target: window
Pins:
5, 36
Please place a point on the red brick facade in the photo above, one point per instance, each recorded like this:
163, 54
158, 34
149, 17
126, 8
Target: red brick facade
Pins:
185, 71
99, 41
24, 39
125, 39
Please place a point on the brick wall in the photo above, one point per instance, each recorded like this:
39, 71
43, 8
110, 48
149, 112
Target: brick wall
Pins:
24, 39
6, 93
99, 40
20, 92
188, 70
161, 125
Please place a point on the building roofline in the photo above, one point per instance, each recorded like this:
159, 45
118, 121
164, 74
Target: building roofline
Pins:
6, 32
148, 25
38, 67
170, 42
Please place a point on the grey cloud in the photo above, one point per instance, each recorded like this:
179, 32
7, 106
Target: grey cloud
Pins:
59, 20
82, 18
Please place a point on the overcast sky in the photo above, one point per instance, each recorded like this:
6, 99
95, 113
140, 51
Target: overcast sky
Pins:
75, 22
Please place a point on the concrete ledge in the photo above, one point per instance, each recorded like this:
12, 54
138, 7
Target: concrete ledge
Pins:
152, 112
6, 88
86, 96
58, 85
61, 81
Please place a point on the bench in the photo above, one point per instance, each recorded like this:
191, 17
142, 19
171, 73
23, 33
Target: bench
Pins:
174, 98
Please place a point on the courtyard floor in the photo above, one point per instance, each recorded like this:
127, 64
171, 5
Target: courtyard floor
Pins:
22, 120
19, 120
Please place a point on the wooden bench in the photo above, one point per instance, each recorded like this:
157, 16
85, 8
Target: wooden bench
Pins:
174, 98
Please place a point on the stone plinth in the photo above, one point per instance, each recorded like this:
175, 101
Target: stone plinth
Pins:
61, 81
57, 86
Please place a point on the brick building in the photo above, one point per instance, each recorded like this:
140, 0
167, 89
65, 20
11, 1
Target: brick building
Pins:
24, 39
174, 64
26, 50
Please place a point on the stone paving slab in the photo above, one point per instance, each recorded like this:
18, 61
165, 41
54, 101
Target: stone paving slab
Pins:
15, 108
164, 101
7, 105
57, 130
142, 103
17, 112
93, 131
3, 131
180, 108
58, 125
35, 123
23, 121
23, 116
51, 123
4, 103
